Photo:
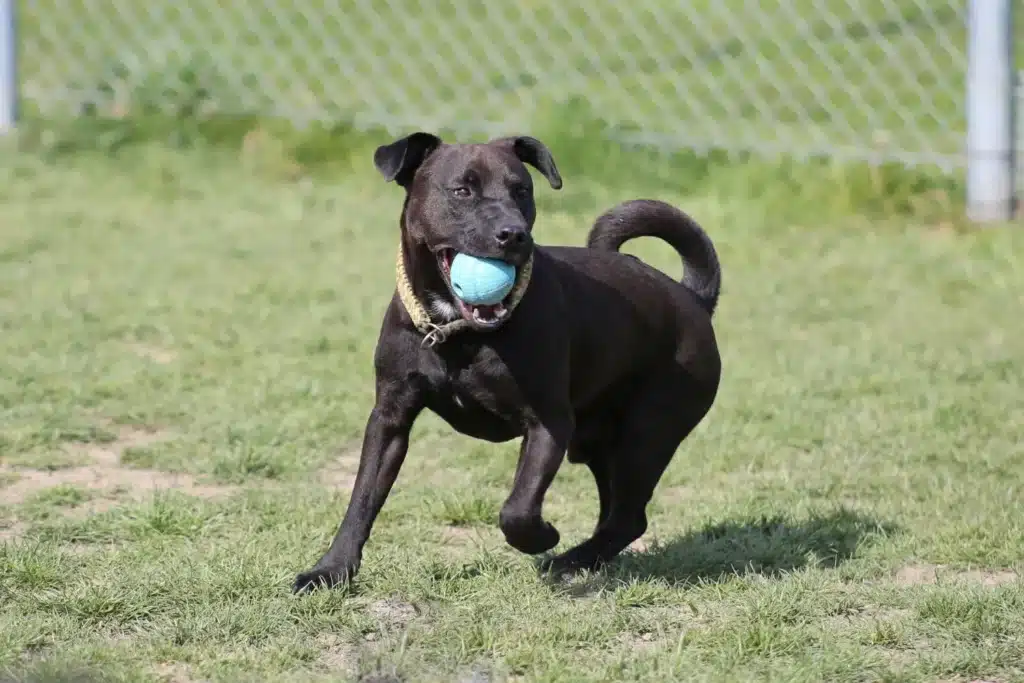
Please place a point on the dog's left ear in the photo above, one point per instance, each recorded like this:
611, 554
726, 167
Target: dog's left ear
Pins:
399, 160
535, 153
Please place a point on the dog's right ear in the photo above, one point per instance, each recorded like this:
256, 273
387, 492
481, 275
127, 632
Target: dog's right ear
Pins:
399, 160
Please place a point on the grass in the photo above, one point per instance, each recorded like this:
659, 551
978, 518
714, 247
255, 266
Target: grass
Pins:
185, 344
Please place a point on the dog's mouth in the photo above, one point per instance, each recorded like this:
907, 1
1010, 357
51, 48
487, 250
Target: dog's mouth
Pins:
481, 316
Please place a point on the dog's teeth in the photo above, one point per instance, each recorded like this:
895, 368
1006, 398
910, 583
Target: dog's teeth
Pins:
493, 315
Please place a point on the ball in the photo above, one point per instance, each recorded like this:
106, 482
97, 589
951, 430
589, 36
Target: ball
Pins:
481, 281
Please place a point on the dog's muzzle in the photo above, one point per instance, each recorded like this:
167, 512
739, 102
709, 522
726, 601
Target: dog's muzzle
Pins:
483, 317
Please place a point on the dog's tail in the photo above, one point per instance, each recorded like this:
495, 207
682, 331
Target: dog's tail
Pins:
702, 273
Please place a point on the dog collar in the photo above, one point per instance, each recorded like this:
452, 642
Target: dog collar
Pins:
437, 334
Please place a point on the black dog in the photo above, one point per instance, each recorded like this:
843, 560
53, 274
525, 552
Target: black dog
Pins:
593, 354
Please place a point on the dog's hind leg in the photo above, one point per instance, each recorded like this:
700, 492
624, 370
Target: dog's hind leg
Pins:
590, 445
602, 477
665, 409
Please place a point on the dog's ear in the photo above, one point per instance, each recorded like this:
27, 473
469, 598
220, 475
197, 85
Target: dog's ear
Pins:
535, 153
399, 160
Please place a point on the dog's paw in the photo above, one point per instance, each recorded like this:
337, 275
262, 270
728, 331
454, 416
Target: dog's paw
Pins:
530, 535
573, 561
322, 577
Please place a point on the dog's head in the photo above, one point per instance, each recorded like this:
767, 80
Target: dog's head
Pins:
475, 199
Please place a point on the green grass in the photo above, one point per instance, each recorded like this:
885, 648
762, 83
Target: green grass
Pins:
849, 510
853, 79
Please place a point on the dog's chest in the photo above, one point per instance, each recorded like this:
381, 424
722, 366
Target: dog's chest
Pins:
482, 386
478, 398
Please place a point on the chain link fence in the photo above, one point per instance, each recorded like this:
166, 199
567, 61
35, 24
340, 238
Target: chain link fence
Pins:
857, 79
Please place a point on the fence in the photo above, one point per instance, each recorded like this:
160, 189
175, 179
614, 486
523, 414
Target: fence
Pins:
872, 80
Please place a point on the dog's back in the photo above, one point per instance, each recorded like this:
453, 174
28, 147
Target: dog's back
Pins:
626, 316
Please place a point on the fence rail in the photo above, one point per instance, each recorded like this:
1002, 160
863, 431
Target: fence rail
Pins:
876, 80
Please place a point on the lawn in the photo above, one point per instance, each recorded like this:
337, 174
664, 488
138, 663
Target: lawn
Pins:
185, 372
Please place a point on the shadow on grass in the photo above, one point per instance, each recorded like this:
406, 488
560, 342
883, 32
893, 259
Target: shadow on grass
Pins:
766, 546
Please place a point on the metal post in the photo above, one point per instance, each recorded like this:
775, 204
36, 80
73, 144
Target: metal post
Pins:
990, 124
1018, 141
8, 67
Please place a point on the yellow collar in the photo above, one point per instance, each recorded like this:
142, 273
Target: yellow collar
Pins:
437, 334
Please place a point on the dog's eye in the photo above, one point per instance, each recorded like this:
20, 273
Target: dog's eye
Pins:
520, 192
461, 192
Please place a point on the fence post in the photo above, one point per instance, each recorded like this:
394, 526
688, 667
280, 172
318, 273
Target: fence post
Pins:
1018, 141
990, 120
8, 67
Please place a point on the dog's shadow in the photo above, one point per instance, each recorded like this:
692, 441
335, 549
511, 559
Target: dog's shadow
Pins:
766, 546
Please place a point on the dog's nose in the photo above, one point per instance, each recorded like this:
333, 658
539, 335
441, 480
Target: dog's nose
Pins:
511, 235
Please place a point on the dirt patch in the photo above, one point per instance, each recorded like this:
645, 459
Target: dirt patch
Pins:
338, 655
393, 611
175, 673
46, 460
921, 575
341, 473
989, 578
103, 472
476, 677
929, 574
337, 478
678, 494
10, 533
643, 544
96, 506
154, 353
109, 454
638, 642
459, 535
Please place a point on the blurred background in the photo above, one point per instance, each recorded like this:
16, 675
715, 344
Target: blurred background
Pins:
844, 81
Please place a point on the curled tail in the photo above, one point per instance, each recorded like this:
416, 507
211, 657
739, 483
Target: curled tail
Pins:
702, 273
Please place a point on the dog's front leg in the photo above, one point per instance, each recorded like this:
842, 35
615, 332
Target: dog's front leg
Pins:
540, 456
385, 443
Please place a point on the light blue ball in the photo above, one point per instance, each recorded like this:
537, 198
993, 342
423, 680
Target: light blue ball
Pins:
481, 281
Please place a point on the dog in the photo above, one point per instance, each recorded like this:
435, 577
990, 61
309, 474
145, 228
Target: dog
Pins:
594, 355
